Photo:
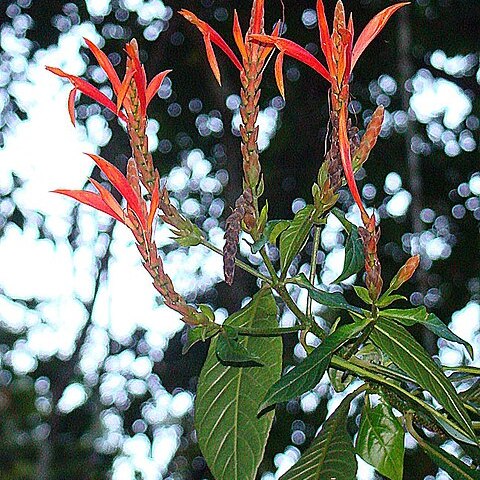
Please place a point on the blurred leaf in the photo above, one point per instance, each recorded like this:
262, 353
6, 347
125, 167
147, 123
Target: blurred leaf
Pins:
380, 440
410, 356
430, 321
331, 454
293, 238
307, 374
231, 436
332, 300
354, 257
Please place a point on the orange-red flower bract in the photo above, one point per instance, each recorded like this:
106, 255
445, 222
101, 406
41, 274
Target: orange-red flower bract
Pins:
341, 56
120, 88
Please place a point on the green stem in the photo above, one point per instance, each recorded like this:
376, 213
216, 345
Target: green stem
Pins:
269, 265
313, 266
381, 370
305, 322
268, 332
359, 341
345, 365
238, 263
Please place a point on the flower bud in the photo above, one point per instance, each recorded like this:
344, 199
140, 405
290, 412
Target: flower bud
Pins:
405, 273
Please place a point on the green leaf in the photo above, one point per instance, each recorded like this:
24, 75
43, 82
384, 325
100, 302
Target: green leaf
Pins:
430, 321
231, 351
410, 356
354, 256
231, 436
307, 374
380, 440
386, 300
332, 300
293, 238
272, 230
362, 294
331, 454
199, 334
452, 465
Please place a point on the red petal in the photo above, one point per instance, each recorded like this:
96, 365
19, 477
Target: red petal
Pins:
325, 40
124, 88
347, 160
108, 198
279, 74
89, 90
238, 36
105, 63
258, 13
71, 105
373, 28
296, 51
59, 72
139, 75
155, 84
120, 182
92, 200
215, 38
212, 60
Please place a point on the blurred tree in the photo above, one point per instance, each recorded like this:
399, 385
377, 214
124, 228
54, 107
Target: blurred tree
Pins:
424, 178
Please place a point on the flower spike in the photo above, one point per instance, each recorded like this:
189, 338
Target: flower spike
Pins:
341, 56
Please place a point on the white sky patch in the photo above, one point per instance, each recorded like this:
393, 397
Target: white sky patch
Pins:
434, 97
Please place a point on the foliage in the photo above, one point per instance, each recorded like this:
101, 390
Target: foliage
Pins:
240, 378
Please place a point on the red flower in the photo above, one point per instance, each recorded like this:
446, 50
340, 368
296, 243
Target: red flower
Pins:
341, 57
145, 93
249, 51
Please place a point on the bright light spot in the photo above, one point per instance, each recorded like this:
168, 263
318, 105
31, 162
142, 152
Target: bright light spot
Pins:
181, 403
474, 184
73, 397
435, 97
399, 203
98, 7
393, 183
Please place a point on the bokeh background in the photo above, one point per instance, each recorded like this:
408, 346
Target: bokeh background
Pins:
92, 381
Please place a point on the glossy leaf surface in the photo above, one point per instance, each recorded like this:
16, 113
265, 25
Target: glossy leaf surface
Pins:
307, 374
380, 440
293, 238
231, 436
411, 357
331, 454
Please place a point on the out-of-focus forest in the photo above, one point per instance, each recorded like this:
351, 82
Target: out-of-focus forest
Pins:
100, 400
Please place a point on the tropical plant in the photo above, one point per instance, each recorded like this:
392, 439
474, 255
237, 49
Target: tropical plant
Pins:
366, 352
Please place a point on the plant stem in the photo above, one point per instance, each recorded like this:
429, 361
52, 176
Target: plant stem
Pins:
416, 403
268, 332
313, 266
381, 370
238, 263
269, 264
